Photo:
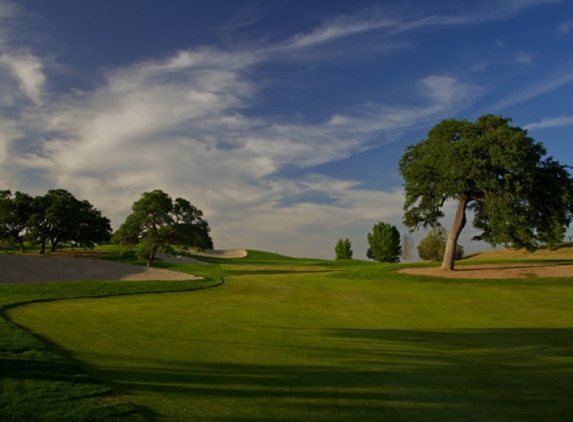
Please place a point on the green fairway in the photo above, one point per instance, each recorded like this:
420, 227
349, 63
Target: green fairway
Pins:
292, 340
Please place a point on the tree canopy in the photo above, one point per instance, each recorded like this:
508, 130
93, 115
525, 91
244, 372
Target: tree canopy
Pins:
54, 218
519, 197
384, 243
157, 222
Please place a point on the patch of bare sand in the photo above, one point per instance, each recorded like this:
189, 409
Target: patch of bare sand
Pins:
496, 271
35, 269
222, 253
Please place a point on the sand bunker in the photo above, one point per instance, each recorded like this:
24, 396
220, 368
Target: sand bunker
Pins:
225, 254
36, 269
496, 271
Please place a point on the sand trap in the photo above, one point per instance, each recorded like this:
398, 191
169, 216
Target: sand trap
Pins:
222, 253
36, 269
496, 271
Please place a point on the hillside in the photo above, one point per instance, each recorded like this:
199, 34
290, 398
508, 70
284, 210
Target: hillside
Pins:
563, 252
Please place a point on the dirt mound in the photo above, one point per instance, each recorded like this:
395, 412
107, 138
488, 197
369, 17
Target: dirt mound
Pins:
35, 269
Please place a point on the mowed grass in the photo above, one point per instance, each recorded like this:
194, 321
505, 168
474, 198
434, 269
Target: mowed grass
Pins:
38, 384
292, 340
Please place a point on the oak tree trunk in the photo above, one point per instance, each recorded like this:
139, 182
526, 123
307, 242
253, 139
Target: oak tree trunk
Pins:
452, 242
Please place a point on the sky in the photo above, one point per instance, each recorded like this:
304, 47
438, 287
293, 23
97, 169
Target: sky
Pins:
283, 120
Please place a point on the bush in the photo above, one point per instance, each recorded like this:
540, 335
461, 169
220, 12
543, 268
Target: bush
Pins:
433, 246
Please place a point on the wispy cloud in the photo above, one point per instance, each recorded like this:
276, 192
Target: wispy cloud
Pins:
339, 28
246, 16
550, 122
523, 57
544, 86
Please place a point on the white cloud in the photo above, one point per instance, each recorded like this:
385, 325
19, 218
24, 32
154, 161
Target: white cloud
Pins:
377, 19
448, 91
548, 122
527, 93
27, 70
339, 28
438, 95
311, 229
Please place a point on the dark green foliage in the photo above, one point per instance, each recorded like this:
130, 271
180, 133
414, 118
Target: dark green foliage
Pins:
384, 242
433, 246
55, 218
343, 249
58, 217
15, 212
157, 222
519, 198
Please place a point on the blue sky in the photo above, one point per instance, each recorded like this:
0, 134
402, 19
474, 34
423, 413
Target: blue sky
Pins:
284, 121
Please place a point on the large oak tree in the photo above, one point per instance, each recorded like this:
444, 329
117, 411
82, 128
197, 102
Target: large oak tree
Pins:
519, 197
158, 222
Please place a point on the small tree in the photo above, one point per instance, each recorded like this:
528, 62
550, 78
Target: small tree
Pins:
433, 246
157, 222
384, 243
343, 249
407, 247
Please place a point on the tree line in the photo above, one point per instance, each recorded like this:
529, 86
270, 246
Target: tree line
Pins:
53, 219
157, 222
386, 245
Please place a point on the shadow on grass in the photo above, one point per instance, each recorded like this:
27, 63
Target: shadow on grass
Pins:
370, 374
284, 272
57, 389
